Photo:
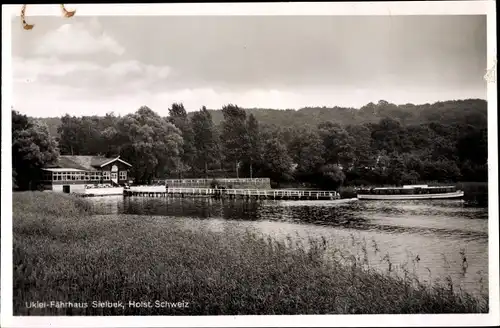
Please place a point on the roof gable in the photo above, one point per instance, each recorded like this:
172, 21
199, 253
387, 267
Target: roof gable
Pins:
110, 161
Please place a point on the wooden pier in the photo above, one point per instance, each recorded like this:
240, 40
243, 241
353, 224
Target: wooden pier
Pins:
273, 194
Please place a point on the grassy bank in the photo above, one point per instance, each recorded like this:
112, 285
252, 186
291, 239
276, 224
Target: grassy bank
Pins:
64, 253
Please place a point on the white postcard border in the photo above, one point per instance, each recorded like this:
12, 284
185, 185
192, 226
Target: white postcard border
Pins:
339, 9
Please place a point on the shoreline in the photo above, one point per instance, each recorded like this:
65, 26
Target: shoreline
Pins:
68, 254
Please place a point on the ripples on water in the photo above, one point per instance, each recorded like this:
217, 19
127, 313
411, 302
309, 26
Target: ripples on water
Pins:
436, 231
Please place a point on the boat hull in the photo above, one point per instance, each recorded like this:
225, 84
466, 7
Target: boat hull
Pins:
449, 195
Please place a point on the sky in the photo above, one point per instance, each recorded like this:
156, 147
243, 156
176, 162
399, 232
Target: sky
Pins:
96, 65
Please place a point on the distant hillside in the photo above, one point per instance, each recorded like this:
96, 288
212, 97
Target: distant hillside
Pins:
447, 112
471, 111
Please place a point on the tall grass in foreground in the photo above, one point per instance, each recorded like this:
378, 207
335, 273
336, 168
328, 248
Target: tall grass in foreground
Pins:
63, 253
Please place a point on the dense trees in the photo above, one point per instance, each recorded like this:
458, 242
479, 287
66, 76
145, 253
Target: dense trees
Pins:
276, 163
178, 117
380, 143
152, 143
234, 136
83, 135
32, 148
206, 140
254, 148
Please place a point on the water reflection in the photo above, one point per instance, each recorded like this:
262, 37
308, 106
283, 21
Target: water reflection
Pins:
434, 232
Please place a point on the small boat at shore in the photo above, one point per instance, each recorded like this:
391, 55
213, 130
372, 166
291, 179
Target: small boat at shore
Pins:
410, 192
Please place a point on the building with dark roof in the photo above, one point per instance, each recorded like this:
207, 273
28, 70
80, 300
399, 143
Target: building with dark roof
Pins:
73, 173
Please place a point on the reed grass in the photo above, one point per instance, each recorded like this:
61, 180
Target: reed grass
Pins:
63, 251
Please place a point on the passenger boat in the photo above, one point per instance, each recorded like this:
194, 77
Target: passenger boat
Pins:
411, 192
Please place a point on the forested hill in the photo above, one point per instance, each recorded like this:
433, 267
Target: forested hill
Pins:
446, 112
377, 144
470, 111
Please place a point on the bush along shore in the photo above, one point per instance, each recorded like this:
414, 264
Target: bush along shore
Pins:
66, 253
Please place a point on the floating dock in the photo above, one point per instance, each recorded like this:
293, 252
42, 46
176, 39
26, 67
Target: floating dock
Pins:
274, 194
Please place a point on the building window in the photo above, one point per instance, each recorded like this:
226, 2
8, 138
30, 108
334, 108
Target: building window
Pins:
123, 175
106, 175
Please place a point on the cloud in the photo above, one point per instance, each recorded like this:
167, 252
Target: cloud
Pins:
134, 67
35, 68
81, 69
118, 76
78, 39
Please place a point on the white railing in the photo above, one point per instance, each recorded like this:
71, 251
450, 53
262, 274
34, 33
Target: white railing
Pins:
105, 191
238, 192
225, 180
148, 188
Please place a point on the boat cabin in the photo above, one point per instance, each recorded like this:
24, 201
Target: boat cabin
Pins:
408, 190
72, 173
411, 192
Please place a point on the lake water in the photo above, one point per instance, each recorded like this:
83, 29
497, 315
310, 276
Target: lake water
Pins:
431, 238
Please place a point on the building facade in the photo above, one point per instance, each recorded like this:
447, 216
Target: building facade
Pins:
73, 173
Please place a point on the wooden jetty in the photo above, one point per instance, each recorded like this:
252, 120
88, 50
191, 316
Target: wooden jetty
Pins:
278, 194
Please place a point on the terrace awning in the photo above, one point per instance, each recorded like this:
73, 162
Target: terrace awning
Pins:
63, 170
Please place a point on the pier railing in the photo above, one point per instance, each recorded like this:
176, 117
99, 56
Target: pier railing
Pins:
225, 180
260, 193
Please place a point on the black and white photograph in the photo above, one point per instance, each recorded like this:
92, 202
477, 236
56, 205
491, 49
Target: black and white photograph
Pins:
248, 164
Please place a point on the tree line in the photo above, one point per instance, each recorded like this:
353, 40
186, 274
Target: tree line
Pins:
448, 143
